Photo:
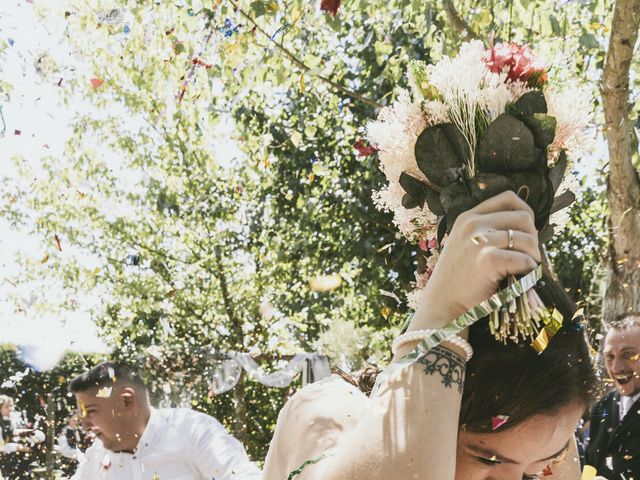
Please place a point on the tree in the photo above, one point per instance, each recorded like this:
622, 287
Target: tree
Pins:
273, 248
623, 184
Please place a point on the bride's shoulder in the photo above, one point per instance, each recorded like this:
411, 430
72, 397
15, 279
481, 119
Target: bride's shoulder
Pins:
314, 420
332, 397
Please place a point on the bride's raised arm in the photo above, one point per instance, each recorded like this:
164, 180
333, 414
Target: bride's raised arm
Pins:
410, 425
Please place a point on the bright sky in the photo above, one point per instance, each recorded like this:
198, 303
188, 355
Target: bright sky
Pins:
35, 112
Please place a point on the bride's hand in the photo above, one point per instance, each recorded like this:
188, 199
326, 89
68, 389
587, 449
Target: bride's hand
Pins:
476, 257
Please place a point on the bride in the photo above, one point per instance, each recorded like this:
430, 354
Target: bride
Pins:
508, 412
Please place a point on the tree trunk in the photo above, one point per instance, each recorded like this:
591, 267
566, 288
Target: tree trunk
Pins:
240, 421
623, 185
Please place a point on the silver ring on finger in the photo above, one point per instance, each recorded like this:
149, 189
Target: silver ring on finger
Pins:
511, 239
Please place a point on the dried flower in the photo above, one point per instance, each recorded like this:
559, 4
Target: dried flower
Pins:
330, 6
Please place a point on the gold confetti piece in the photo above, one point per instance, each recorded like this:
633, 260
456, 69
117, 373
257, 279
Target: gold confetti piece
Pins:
325, 283
386, 312
388, 246
541, 342
45, 259
303, 86
589, 473
104, 392
553, 322
83, 409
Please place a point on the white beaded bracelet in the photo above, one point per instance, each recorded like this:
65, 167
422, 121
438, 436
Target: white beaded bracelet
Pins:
416, 335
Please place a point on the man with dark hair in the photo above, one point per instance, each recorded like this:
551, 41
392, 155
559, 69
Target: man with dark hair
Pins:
614, 443
136, 441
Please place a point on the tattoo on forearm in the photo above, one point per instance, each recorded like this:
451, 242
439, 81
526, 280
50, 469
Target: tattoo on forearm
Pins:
446, 363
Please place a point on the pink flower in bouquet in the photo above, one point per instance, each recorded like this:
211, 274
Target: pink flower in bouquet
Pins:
428, 244
330, 6
522, 65
363, 149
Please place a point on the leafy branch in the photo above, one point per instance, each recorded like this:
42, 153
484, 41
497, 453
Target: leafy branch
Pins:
457, 22
305, 68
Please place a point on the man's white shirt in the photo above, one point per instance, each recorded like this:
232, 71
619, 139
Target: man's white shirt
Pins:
626, 403
177, 444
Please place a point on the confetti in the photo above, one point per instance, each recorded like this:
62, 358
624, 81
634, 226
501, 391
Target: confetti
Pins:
303, 86
547, 471
45, 258
83, 409
390, 294
325, 283
330, 6
229, 29
17, 132
199, 62
541, 342
111, 17
4, 125
588, 473
104, 392
58, 243
96, 82
498, 421
126, 29
11, 41
553, 323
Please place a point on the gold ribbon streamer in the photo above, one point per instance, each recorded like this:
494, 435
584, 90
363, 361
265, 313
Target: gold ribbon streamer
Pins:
493, 303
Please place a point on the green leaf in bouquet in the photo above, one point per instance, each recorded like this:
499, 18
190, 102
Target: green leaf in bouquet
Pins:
456, 198
535, 188
410, 202
556, 173
542, 126
486, 185
531, 102
507, 146
442, 230
416, 191
564, 200
546, 233
433, 202
442, 153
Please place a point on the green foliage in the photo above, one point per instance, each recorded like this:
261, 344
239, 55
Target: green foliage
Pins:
579, 252
42, 397
184, 237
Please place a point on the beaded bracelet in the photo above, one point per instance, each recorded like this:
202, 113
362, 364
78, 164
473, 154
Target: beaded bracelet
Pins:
416, 335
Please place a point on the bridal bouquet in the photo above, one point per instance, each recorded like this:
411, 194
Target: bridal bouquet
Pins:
483, 122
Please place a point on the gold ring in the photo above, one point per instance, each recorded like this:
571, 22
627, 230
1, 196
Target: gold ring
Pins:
510, 242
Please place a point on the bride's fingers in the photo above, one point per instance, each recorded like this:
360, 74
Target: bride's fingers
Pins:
507, 262
515, 220
502, 202
520, 241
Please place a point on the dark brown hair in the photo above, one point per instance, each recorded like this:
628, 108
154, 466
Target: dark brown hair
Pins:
512, 379
106, 374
